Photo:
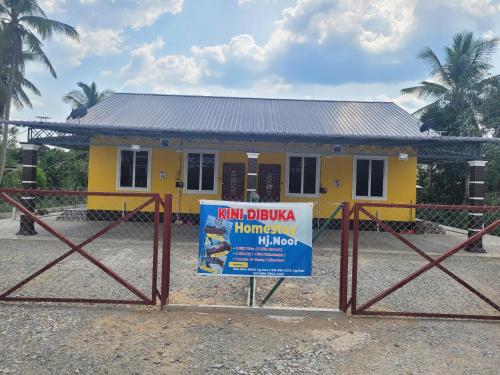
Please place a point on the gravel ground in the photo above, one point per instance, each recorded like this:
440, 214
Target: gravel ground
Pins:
76, 339
86, 339
128, 250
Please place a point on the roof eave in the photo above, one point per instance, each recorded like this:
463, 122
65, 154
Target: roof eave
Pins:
93, 129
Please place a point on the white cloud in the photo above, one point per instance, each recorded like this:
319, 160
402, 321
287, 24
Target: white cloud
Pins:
411, 103
148, 69
489, 35
242, 48
375, 25
52, 6
149, 72
211, 53
116, 14
480, 8
243, 2
98, 42
145, 12
272, 85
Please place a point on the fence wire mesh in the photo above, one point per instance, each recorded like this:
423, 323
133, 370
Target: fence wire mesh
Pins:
395, 241
118, 245
318, 291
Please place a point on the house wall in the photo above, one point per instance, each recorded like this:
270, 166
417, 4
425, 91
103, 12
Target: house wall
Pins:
401, 181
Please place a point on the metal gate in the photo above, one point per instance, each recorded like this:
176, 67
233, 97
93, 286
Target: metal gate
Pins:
181, 232
66, 214
441, 221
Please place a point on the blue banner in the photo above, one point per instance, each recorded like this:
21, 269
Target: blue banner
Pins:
255, 239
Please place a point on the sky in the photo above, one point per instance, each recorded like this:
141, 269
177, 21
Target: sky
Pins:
306, 49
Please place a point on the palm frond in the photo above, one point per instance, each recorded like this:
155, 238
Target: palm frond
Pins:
436, 68
87, 96
34, 46
421, 111
45, 27
30, 86
75, 99
427, 90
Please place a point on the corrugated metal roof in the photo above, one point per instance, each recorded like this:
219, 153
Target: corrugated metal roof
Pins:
231, 115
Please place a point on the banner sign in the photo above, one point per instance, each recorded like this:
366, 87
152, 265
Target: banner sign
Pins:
255, 239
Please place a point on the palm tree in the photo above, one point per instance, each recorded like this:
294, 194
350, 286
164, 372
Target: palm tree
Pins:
86, 97
24, 27
457, 86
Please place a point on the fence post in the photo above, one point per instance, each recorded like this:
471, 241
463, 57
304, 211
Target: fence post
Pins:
355, 239
156, 234
165, 255
476, 198
30, 161
344, 257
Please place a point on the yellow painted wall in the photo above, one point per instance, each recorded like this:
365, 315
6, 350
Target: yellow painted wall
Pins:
401, 182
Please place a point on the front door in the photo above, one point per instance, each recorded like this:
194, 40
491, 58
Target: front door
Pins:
268, 184
233, 181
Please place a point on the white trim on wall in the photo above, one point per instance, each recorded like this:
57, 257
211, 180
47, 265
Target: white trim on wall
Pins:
355, 159
185, 170
477, 163
287, 175
30, 147
119, 150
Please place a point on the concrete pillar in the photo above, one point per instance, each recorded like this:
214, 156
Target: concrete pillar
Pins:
476, 198
30, 161
252, 176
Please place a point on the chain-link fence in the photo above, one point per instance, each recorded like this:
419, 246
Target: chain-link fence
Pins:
61, 246
430, 260
321, 290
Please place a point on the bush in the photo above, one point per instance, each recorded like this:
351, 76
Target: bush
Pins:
13, 179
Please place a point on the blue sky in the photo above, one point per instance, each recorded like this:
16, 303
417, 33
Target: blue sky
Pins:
318, 49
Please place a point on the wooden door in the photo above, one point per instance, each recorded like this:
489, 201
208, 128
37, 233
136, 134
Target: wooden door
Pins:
268, 183
233, 181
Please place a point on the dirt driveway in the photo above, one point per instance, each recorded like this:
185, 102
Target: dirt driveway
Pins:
90, 339
69, 339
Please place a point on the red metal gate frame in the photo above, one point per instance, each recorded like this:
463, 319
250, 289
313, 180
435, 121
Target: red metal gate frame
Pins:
343, 303
79, 248
165, 257
432, 262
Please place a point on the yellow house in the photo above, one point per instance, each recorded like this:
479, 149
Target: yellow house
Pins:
210, 171
202, 147
326, 152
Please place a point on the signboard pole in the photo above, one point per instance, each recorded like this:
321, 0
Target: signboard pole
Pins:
251, 291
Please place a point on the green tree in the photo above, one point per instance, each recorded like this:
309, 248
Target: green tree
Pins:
457, 85
86, 97
64, 169
490, 110
24, 27
463, 97
492, 174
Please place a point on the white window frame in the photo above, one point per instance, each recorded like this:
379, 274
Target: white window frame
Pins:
119, 169
216, 172
318, 177
355, 173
